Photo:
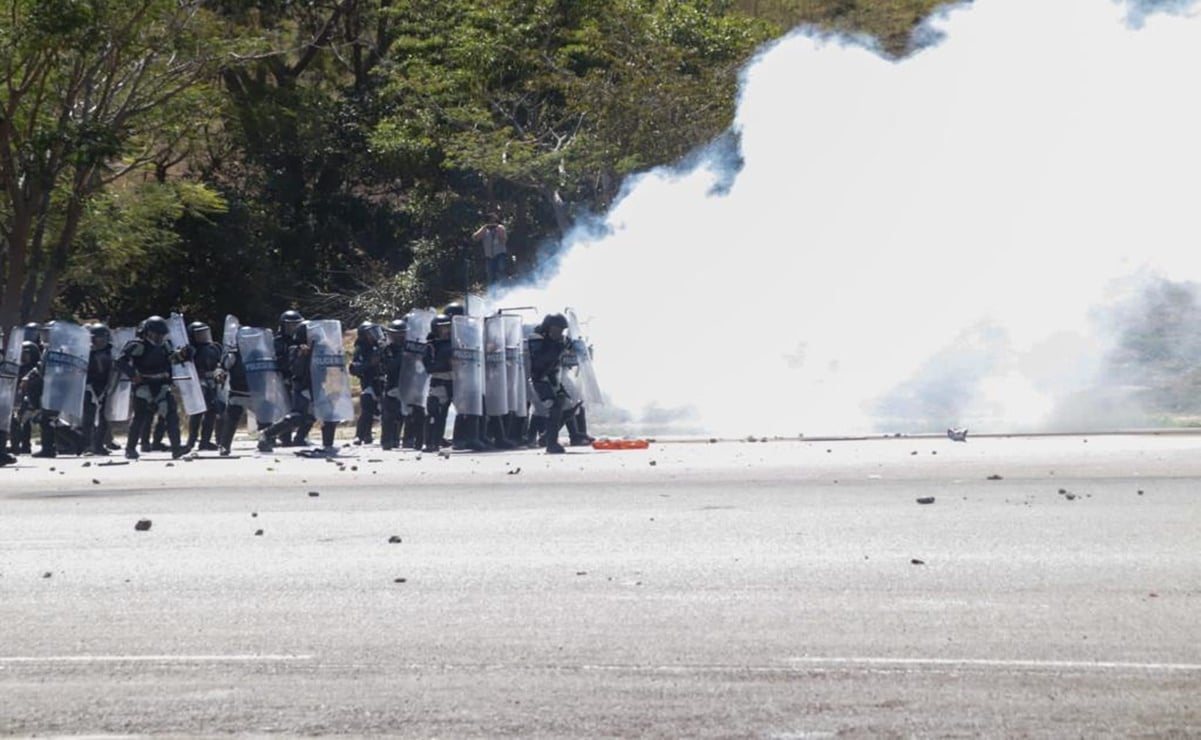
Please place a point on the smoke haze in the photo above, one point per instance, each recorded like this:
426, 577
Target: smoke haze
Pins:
906, 245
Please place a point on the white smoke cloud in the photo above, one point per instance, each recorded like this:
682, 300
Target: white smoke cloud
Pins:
908, 245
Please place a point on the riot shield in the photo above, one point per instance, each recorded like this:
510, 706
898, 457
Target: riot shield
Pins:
10, 365
66, 366
414, 377
229, 336
116, 406
476, 305
331, 380
588, 388
515, 364
183, 374
268, 398
496, 376
467, 339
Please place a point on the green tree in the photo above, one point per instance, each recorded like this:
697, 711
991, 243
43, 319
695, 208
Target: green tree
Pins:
90, 91
560, 99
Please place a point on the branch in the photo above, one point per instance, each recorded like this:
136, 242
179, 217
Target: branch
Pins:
322, 38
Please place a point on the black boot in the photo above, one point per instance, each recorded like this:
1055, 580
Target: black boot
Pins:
554, 420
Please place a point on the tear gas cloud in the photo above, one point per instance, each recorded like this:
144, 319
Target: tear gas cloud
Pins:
904, 245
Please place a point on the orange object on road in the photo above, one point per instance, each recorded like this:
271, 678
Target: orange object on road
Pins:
620, 444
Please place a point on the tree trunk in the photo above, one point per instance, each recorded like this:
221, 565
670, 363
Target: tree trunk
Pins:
14, 279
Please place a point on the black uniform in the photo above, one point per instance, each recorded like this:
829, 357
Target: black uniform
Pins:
147, 364
365, 365
207, 359
546, 355
438, 355
239, 397
100, 380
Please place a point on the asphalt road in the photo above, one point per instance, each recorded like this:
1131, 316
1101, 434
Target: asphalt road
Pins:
779, 590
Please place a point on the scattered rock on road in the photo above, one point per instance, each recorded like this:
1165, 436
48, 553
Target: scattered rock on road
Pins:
916, 561
994, 476
394, 539
143, 525
926, 500
313, 494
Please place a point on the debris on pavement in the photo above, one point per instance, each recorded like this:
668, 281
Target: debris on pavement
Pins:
926, 500
143, 525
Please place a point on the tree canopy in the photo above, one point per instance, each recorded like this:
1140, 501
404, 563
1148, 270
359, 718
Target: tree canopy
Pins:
337, 154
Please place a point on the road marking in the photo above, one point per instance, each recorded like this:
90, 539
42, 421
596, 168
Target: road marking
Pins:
153, 658
1099, 665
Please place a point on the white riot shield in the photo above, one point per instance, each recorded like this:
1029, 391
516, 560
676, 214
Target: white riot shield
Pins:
496, 376
414, 377
229, 336
467, 339
66, 363
515, 364
331, 379
268, 397
116, 406
10, 365
588, 387
476, 305
183, 374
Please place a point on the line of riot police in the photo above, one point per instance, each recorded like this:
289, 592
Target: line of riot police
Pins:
509, 383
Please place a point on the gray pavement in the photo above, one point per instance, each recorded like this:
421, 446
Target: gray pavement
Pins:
733, 589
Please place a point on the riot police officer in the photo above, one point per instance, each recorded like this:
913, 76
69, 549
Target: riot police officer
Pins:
391, 358
147, 361
438, 354
100, 381
206, 356
299, 373
365, 365
290, 322
546, 347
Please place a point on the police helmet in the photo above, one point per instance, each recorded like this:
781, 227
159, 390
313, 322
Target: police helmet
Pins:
101, 335
397, 326
156, 325
30, 331
553, 319
200, 333
290, 316
29, 349
455, 308
44, 332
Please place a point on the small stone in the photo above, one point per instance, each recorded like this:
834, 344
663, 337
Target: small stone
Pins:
313, 494
394, 540
354, 467
713, 440
994, 476
514, 471
87, 464
653, 463
258, 533
1140, 492
96, 482
52, 468
47, 574
1070, 496
171, 465
1062, 491
581, 572
913, 453
1153, 595
143, 525
926, 500
400, 580
916, 561
254, 515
